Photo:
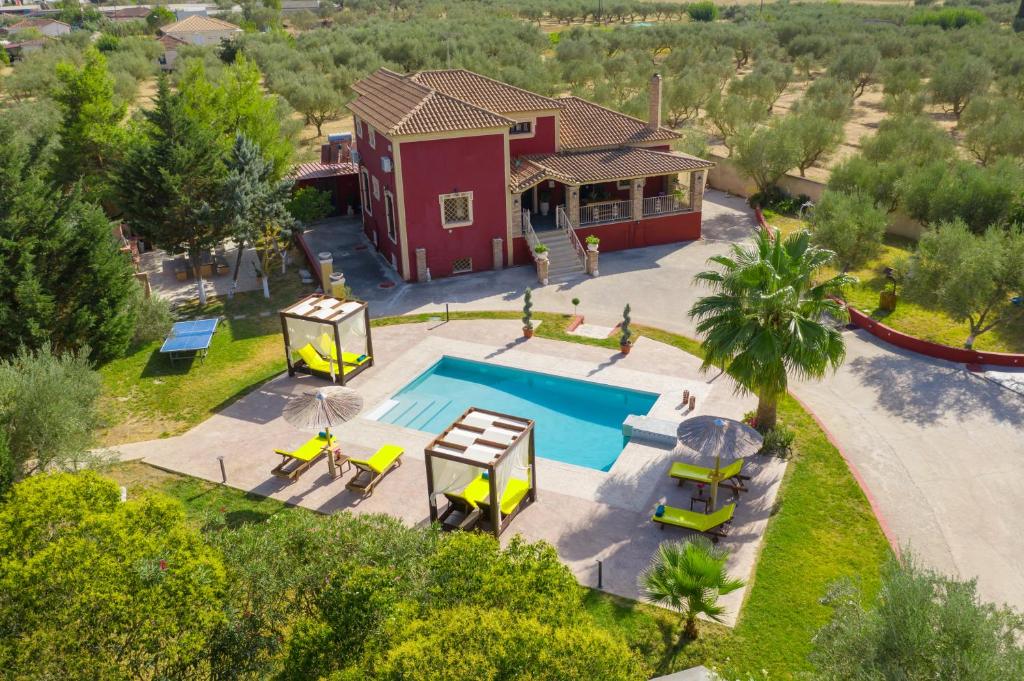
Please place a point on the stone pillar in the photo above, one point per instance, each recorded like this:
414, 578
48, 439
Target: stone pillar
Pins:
542, 270
499, 258
326, 269
636, 195
592, 263
696, 190
573, 200
421, 265
515, 217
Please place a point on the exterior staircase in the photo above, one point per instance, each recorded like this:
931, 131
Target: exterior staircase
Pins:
564, 262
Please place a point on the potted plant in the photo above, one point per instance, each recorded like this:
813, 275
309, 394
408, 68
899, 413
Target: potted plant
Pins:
592, 242
575, 304
541, 251
528, 313
887, 299
626, 332
545, 201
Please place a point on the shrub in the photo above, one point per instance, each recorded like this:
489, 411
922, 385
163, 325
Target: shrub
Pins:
947, 18
308, 204
152, 317
851, 225
702, 11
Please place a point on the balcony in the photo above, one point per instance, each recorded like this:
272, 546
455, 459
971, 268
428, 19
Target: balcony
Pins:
622, 211
664, 205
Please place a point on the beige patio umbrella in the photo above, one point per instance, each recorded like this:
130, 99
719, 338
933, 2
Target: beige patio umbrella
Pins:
322, 409
714, 436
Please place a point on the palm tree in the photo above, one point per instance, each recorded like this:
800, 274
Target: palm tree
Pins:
764, 319
689, 577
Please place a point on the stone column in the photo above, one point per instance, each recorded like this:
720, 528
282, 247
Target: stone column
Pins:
326, 269
573, 200
696, 190
636, 195
515, 217
592, 263
542, 270
421, 265
496, 252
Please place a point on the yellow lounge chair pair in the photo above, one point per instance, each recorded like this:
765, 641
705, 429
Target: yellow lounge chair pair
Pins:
316, 362
295, 463
372, 470
474, 501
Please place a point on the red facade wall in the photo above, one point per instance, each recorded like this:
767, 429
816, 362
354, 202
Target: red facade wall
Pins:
375, 222
542, 142
463, 164
618, 236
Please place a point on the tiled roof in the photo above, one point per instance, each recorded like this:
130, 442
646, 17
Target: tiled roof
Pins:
313, 171
199, 24
171, 42
484, 92
586, 125
584, 167
397, 105
128, 13
34, 22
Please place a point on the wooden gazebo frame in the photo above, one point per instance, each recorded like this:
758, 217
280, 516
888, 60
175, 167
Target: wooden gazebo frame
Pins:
330, 312
524, 428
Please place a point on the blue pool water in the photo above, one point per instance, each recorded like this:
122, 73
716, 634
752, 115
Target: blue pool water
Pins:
577, 422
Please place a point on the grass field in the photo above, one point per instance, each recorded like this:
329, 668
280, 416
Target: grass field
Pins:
909, 317
822, 529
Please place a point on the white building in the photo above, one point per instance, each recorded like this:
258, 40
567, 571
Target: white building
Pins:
200, 30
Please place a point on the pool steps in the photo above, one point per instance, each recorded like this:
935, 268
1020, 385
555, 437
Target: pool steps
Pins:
415, 414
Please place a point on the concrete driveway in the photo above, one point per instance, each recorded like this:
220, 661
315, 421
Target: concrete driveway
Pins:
940, 450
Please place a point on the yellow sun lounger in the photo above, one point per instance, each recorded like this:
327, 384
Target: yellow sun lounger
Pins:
471, 495
372, 470
711, 524
297, 462
515, 492
729, 476
349, 359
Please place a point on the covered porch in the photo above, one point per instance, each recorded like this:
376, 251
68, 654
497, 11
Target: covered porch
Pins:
583, 190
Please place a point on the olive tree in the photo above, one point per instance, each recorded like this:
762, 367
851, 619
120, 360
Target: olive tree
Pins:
813, 136
994, 128
958, 79
850, 225
856, 65
969, 277
766, 154
920, 625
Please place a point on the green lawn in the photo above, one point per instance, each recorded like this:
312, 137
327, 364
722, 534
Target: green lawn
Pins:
911, 318
822, 528
145, 396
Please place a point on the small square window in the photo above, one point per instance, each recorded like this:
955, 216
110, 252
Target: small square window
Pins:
521, 128
462, 265
376, 188
456, 209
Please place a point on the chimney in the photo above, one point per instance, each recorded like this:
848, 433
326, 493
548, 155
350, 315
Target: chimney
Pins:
654, 103
338, 148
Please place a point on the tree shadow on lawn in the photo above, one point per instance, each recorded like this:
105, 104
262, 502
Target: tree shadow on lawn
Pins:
924, 391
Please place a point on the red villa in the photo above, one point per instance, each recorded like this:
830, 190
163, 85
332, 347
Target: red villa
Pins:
461, 173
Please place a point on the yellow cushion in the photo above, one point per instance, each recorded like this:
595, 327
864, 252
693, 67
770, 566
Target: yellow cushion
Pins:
309, 450
515, 492
382, 460
313, 359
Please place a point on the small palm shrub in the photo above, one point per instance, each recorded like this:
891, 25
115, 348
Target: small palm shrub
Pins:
702, 11
689, 577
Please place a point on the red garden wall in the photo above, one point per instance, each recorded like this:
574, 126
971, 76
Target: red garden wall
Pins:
907, 342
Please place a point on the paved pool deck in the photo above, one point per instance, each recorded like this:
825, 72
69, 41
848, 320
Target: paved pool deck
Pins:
588, 515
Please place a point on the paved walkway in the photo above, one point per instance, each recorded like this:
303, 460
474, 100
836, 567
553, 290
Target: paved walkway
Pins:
940, 450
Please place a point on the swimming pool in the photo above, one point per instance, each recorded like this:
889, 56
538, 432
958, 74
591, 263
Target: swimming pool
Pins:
577, 422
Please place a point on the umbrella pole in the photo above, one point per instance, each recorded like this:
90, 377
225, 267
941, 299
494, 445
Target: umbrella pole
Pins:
330, 456
714, 482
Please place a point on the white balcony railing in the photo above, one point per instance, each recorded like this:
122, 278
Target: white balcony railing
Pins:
607, 211
662, 205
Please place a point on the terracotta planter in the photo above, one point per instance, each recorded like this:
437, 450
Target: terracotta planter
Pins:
528, 331
887, 300
625, 348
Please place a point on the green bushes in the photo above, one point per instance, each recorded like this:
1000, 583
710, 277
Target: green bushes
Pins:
947, 18
702, 11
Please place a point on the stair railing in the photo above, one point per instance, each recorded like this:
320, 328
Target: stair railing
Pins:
563, 223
